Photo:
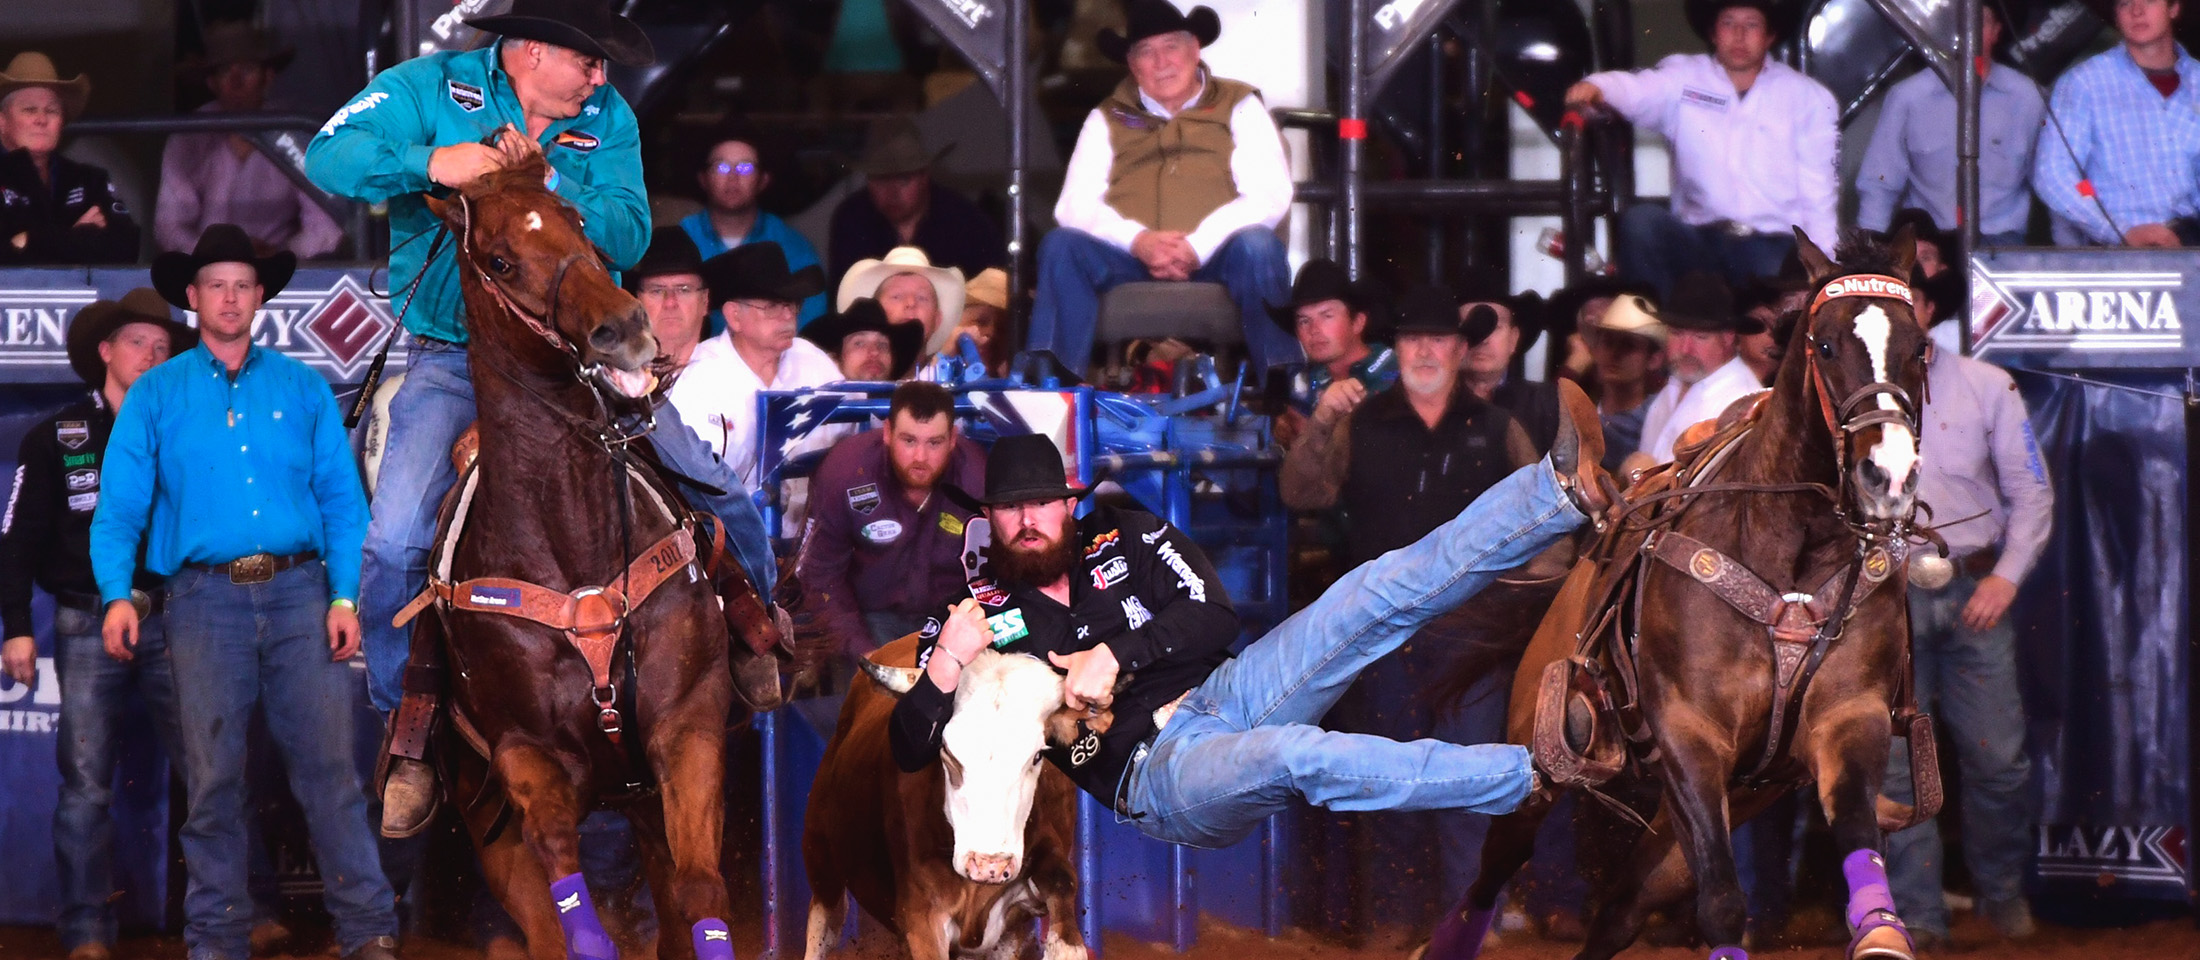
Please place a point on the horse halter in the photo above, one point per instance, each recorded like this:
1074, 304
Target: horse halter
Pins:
540, 325
1846, 418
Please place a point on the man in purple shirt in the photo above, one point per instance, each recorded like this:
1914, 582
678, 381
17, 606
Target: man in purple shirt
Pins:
209, 178
884, 549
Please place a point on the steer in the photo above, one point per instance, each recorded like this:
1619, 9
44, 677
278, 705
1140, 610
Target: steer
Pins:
960, 857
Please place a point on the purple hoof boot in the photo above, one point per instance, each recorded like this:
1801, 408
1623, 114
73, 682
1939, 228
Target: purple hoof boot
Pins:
712, 941
1459, 935
585, 938
1729, 953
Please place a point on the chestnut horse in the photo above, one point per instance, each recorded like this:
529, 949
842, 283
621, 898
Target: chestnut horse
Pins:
1784, 561
539, 732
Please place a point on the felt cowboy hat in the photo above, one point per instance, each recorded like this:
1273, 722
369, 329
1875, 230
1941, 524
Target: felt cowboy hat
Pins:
99, 321
1428, 309
1702, 302
893, 146
864, 279
220, 243
235, 41
1026, 467
1780, 15
1487, 285
758, 271
866, 316
1152, 18
33, 69
587, 27
670, 251
1323, 279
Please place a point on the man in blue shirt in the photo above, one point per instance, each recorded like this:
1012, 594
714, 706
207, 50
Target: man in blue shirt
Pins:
230, 466
1912, 156
2131, 120
733, 180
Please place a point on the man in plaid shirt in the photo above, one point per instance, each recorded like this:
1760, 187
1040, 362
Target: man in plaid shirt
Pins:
2131, 171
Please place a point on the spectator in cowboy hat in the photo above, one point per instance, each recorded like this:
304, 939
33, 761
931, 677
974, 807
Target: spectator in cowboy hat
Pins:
900, 206
1496, 325
867, 347
208, 178
230, 468
1706, 365
730, 171
1627, 341
913, 291
669, 282
1178, 175
756, 293
985, 317
53, 209
1754, 148
2123, 166
47, 542
1334, 318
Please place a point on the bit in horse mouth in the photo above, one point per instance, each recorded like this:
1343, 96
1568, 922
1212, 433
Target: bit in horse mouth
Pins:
631, 383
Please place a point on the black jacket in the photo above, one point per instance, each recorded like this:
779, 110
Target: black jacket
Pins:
1535, 405
1144, 589
46, 536
47, 214
953, 233
1406, 479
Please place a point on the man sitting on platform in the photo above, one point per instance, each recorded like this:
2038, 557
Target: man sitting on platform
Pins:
1178, 175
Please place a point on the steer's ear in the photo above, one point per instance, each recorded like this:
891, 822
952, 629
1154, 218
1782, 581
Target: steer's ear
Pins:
896, 680
1062, 724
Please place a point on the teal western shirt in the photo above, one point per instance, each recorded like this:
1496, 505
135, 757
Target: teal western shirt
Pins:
206, 469
376, 148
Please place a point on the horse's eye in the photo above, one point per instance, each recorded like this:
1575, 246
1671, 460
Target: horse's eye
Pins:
1825, 349
499, 265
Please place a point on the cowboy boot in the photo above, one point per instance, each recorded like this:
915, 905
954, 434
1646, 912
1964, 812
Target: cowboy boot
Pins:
409, 795
1577, 453
756, 639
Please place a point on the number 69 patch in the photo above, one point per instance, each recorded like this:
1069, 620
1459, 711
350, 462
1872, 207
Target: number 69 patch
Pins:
1007, 626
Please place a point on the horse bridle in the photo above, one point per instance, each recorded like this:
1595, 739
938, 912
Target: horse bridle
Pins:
1844, 419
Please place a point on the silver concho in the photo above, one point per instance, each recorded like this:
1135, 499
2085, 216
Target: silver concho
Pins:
1931, 571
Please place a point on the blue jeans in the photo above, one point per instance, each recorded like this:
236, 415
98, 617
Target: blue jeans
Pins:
95, 707
236, 646
1243, 745
1655, 248
1075, 268
432, 407
1968, 679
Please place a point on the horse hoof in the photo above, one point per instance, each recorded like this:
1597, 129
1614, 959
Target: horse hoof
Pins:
1883, 943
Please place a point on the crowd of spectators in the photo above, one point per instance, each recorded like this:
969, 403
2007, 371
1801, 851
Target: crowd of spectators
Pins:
1393, 414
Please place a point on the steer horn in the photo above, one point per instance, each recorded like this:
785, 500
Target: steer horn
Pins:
896, 680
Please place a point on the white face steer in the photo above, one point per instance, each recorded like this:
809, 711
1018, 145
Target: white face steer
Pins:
991, 752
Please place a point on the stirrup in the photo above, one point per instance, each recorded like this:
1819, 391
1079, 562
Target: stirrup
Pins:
1598, 756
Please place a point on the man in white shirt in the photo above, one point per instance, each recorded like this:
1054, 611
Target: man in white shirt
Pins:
1178, 175
1706, 365
1753, 143
716, 394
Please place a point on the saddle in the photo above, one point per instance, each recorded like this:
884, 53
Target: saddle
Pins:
1589, 721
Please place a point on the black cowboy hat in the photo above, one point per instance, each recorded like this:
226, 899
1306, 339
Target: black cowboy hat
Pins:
671, 250
1324, 279
1780, 15
865, 315
758, 271
1703, 302
220, 243
1026, 467
587, 27
1922, 230
1152, 18
99, 320
237, 41
1948, 290
1429, 309
1487, 285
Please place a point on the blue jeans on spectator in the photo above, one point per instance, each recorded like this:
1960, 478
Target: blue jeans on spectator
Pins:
1968, 680
95, 705
1656, 248
1076, 268
233, 646
432, 407
1243, 745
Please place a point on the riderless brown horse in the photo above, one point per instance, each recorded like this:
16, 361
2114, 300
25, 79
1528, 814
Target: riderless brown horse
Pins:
587, 653
1740, 629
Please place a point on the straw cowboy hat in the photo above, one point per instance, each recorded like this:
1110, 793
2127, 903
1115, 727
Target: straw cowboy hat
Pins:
99, 321
864, 279
1634, 314
587, 27
221, 243
989, 287
33, 69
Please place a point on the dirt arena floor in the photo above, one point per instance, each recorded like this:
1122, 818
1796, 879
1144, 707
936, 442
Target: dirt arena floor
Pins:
2162, 940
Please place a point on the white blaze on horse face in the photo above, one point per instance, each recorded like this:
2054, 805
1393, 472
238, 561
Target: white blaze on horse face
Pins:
534, 220
1896, 451
1001, 706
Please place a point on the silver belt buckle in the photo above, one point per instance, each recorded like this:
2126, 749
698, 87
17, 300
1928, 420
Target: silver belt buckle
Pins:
257, 568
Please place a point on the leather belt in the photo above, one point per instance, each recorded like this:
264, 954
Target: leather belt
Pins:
89, 602
1978, 564
257, 568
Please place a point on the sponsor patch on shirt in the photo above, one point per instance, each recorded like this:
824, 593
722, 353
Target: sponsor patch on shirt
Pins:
930, 629
80, 460
82, 480
882, 531
1702, 98
500, 597
952, 524
1155, 537
73, 434
1110, 573
466, 95
84, 502
863, 499
576, 141
1101, 543
1086, 747
1007, 626
988, 593
1136, 613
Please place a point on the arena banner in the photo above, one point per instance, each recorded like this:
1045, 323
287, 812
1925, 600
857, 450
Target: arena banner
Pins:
2085, 308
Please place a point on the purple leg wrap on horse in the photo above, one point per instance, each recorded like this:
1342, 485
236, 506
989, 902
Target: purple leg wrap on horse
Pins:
584, 935
1730, 953
1459, 935
1871, 903
712, 942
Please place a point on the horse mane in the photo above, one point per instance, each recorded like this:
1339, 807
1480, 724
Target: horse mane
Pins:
528, 174
1862, 251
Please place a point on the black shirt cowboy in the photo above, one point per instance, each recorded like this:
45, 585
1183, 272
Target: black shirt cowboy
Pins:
1143, 588
46, 212
46, 536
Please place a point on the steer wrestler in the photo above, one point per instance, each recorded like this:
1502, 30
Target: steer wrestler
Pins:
1204, 746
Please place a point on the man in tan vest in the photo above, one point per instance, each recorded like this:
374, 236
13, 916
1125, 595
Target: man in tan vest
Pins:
1178, 175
